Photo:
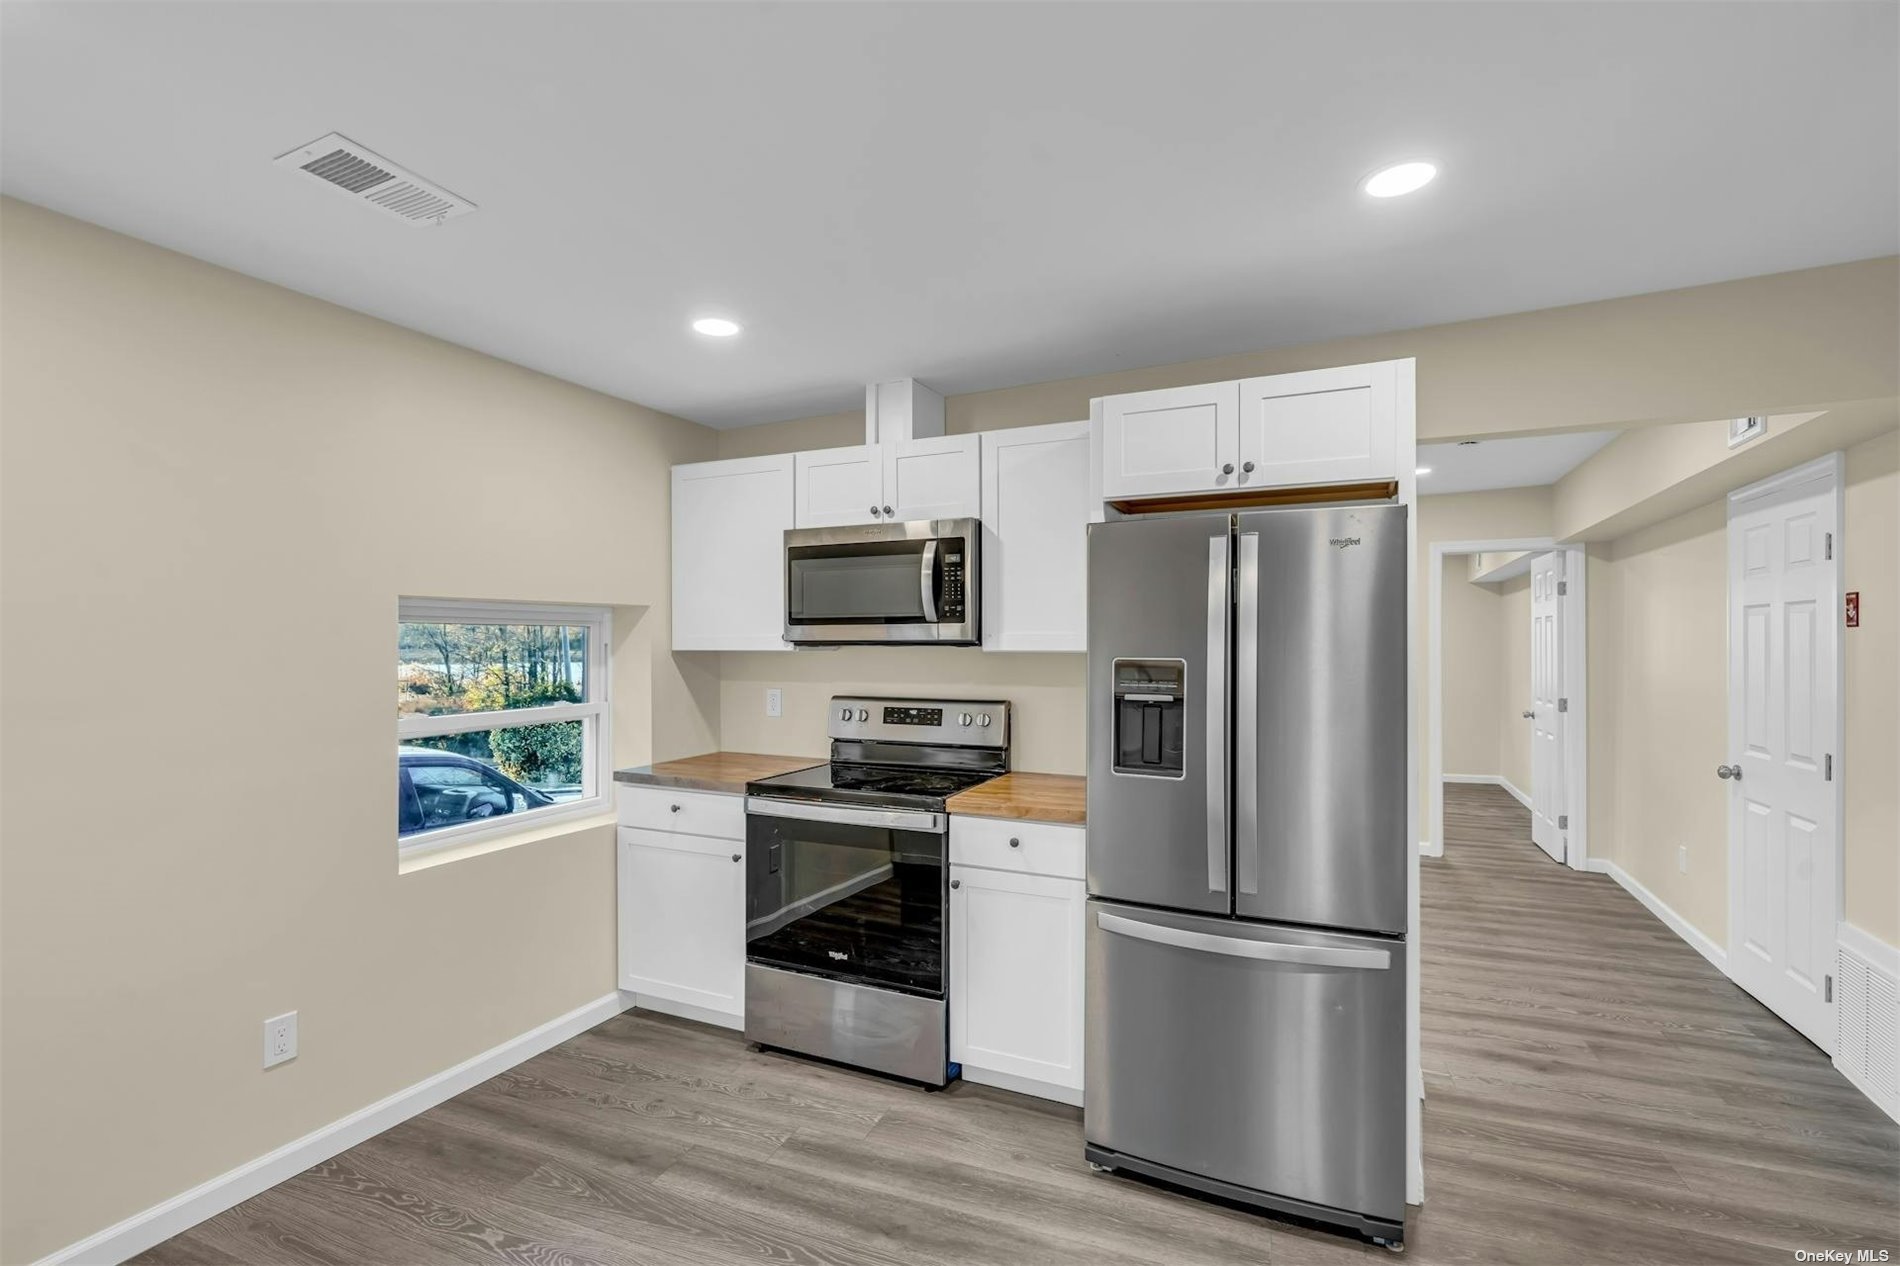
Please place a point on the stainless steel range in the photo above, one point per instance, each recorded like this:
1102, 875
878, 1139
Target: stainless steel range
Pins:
847, 884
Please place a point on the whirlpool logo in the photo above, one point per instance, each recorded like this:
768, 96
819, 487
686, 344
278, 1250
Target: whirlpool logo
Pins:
1344, 542
840, 955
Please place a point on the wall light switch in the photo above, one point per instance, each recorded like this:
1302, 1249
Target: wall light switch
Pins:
774, 702
280, 1038
1682, 858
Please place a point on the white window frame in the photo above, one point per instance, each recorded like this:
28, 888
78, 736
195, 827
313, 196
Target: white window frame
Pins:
596, 710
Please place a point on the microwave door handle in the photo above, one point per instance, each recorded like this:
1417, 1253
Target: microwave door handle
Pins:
928, 584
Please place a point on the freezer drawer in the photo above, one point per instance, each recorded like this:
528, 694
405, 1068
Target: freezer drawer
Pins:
1263, 1057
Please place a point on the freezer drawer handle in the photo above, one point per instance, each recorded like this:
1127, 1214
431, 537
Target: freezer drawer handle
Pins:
1234, 947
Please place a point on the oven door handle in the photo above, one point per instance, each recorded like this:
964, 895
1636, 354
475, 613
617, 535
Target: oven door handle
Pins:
803, 811
928, 583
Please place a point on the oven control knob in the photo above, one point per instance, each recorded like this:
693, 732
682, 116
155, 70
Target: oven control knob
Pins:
984, 719
965, 719
864, 714
844, 714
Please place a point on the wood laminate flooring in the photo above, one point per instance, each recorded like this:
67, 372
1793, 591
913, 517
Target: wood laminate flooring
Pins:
1596, 1093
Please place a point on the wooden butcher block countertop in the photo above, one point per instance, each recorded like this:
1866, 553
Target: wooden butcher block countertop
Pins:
1031, 797
715, 771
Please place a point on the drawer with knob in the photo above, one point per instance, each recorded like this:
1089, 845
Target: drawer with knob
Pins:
707, 813
1029, 848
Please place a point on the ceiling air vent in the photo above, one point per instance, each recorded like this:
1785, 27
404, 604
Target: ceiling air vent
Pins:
365, 176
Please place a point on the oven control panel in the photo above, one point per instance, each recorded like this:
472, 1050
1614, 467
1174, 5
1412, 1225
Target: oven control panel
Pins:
942, 722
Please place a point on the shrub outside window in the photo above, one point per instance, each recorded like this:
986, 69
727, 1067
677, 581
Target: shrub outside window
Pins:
501, 716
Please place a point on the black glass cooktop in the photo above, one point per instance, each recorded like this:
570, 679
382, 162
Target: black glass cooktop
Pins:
871, 784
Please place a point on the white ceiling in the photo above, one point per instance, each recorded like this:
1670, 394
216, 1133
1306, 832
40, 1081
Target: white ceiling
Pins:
1525, 462
979, 195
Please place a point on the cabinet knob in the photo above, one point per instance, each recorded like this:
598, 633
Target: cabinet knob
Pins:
887, 512
1246, 468
675, 808
874, 512
1227, 469
1014, 842
737, 856
956, 883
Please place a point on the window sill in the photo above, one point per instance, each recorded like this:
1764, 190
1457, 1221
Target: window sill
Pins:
459, 844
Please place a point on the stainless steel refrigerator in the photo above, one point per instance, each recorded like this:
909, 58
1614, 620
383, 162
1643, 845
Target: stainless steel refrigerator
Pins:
1247, 858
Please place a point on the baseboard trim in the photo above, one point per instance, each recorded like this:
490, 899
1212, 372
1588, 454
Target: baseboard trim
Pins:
1430, 848
1023, 1085
159, 1223
1491, 780
687, 1010
1662, 910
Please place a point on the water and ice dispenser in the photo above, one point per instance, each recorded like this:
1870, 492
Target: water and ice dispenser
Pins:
1150, 716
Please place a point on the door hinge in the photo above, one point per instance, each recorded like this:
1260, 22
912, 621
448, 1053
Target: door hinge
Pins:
1830, 768
1563, 822
1563, 705
1563, 587
1828, 996
1830, 546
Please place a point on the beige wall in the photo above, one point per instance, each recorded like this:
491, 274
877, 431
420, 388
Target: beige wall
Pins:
1871, 566
213, 492
1785, 341
1662, 596
1513, 670
1046, 690
1473, 629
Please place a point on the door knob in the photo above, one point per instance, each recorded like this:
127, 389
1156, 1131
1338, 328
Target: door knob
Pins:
1227, 469
675, 808
874, 512
736, 856
1729, 771
887, 512
1246, 468
956, 883
1527, 715
1015, 842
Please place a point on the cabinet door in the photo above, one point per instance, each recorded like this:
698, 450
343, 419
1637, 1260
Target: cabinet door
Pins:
932, 479
1182, 439
1016, 980
834, 486
1035, 538
682, 919
729, 521
1322, 427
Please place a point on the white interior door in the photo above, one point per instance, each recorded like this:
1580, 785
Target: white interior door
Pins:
1783, 710
1549, 819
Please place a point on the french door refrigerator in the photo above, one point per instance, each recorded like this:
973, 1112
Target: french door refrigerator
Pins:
1248, 856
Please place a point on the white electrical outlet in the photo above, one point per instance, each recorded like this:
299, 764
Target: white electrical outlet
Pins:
1682, 858
774, 702
280, 1038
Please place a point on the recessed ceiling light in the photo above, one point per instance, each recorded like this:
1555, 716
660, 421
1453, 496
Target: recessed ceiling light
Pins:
1423, 470
1399, 179
718, 327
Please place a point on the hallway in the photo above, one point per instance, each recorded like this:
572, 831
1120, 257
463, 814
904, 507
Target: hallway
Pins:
1595, 1089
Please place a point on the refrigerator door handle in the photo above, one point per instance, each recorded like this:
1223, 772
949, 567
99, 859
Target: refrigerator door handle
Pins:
1235, 947
1247, 718
1216, 708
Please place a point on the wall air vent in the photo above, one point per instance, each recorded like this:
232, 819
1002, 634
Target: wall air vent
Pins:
365, 176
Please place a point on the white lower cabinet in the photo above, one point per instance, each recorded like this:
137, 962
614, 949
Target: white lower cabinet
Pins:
682, 923
1016, 978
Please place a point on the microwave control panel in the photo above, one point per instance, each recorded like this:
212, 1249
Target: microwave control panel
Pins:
950, 605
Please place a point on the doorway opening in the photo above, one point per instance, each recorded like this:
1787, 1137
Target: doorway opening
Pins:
1506, 697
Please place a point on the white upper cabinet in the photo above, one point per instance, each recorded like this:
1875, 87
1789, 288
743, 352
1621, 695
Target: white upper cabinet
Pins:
1323, 427
1182, 439
729, 521
1036, 511
835, 486
933, 478
893, 482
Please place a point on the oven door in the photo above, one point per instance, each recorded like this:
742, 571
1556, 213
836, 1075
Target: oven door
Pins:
847, 893
889, 582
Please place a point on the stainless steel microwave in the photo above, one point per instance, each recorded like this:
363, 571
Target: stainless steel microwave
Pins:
871, 583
